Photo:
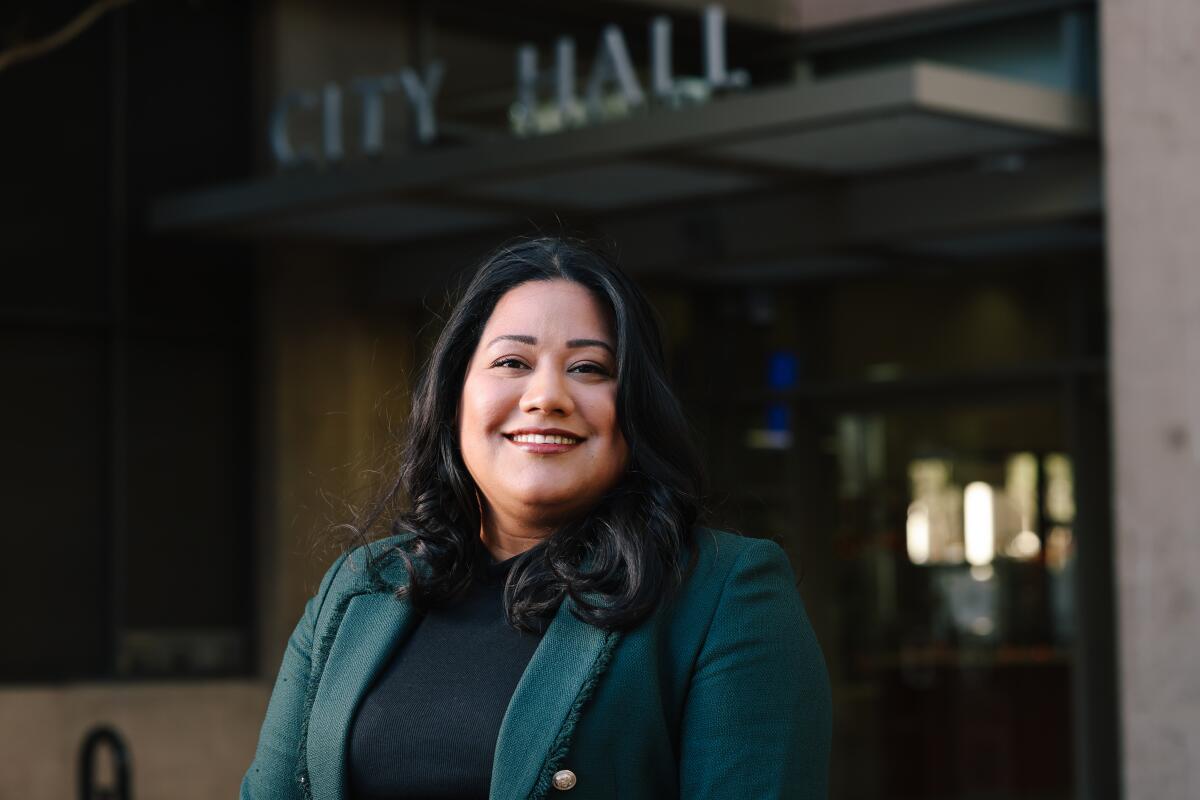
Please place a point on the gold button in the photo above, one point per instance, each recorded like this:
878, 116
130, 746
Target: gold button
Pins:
564, 779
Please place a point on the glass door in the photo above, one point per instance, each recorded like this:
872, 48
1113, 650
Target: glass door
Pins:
949, 612
932, 452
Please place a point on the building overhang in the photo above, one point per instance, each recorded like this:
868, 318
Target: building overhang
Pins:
871, 124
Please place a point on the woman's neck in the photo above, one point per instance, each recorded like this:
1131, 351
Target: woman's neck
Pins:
505, 538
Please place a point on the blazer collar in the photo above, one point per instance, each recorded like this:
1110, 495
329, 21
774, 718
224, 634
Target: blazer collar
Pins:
369, 621
537, 726
372, 624
541, 717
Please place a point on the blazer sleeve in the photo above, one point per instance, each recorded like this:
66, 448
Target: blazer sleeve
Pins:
758, 719
273, 773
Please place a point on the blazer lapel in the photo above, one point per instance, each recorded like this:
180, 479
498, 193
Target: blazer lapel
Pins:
372, 625
541, 716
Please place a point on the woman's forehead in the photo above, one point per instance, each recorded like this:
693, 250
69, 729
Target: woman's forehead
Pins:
549, 312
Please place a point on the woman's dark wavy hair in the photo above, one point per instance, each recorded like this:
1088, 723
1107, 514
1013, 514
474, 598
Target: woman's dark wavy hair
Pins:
619, 560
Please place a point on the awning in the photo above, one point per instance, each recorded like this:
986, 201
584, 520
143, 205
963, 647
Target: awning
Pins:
879, 122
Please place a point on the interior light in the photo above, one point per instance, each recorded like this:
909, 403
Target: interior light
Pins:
1060, 488
979, 534
917, 529
983, 574
1021, 486
1024, 546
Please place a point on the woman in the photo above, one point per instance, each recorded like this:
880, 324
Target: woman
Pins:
548, 619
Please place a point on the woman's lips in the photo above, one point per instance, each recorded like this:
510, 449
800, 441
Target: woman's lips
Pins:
544, 445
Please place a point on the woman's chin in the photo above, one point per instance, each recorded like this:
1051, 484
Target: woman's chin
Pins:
552, 502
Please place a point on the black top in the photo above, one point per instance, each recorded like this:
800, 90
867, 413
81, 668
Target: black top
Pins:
427, 728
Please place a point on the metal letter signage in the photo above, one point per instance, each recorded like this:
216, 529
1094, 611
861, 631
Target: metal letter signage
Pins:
281, 143
614, 91
715, 71
420, 91
613, 65
372, 90
613, 88
566, 108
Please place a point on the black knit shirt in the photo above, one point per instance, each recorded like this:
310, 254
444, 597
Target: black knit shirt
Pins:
427, 728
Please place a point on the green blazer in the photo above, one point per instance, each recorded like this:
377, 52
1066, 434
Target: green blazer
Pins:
721, 693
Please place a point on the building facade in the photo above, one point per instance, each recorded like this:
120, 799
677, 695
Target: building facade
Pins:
922, 266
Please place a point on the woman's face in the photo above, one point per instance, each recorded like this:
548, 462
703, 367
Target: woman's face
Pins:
538, 414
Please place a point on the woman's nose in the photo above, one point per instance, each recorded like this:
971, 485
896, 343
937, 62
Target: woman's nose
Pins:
547, 392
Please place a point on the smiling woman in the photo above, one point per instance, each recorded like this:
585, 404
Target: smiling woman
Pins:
546, 615
538, 418
549, 338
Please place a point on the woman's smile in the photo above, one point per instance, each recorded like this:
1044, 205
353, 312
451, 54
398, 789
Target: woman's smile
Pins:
548, 441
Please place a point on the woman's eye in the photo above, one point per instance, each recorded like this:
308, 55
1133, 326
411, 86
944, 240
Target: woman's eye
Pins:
584, 367
510, 363
589, 367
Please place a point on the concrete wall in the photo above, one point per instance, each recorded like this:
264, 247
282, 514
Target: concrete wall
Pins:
1152, 122
188, 741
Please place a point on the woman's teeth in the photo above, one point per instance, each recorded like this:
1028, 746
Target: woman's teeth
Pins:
537, 438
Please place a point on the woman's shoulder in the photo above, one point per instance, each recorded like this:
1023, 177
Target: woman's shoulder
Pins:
727, 570
720, 553
743, 586
738, 587
375, 566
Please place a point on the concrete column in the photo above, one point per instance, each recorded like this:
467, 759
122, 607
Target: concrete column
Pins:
333, 385
1151, 68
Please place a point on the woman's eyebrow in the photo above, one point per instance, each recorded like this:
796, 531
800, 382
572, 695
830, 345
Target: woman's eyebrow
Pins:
591, 343
513, 337
525, 339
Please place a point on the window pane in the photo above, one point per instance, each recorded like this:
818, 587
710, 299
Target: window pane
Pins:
53, 412
186, 609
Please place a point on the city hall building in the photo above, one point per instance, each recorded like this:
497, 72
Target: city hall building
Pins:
925, 273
